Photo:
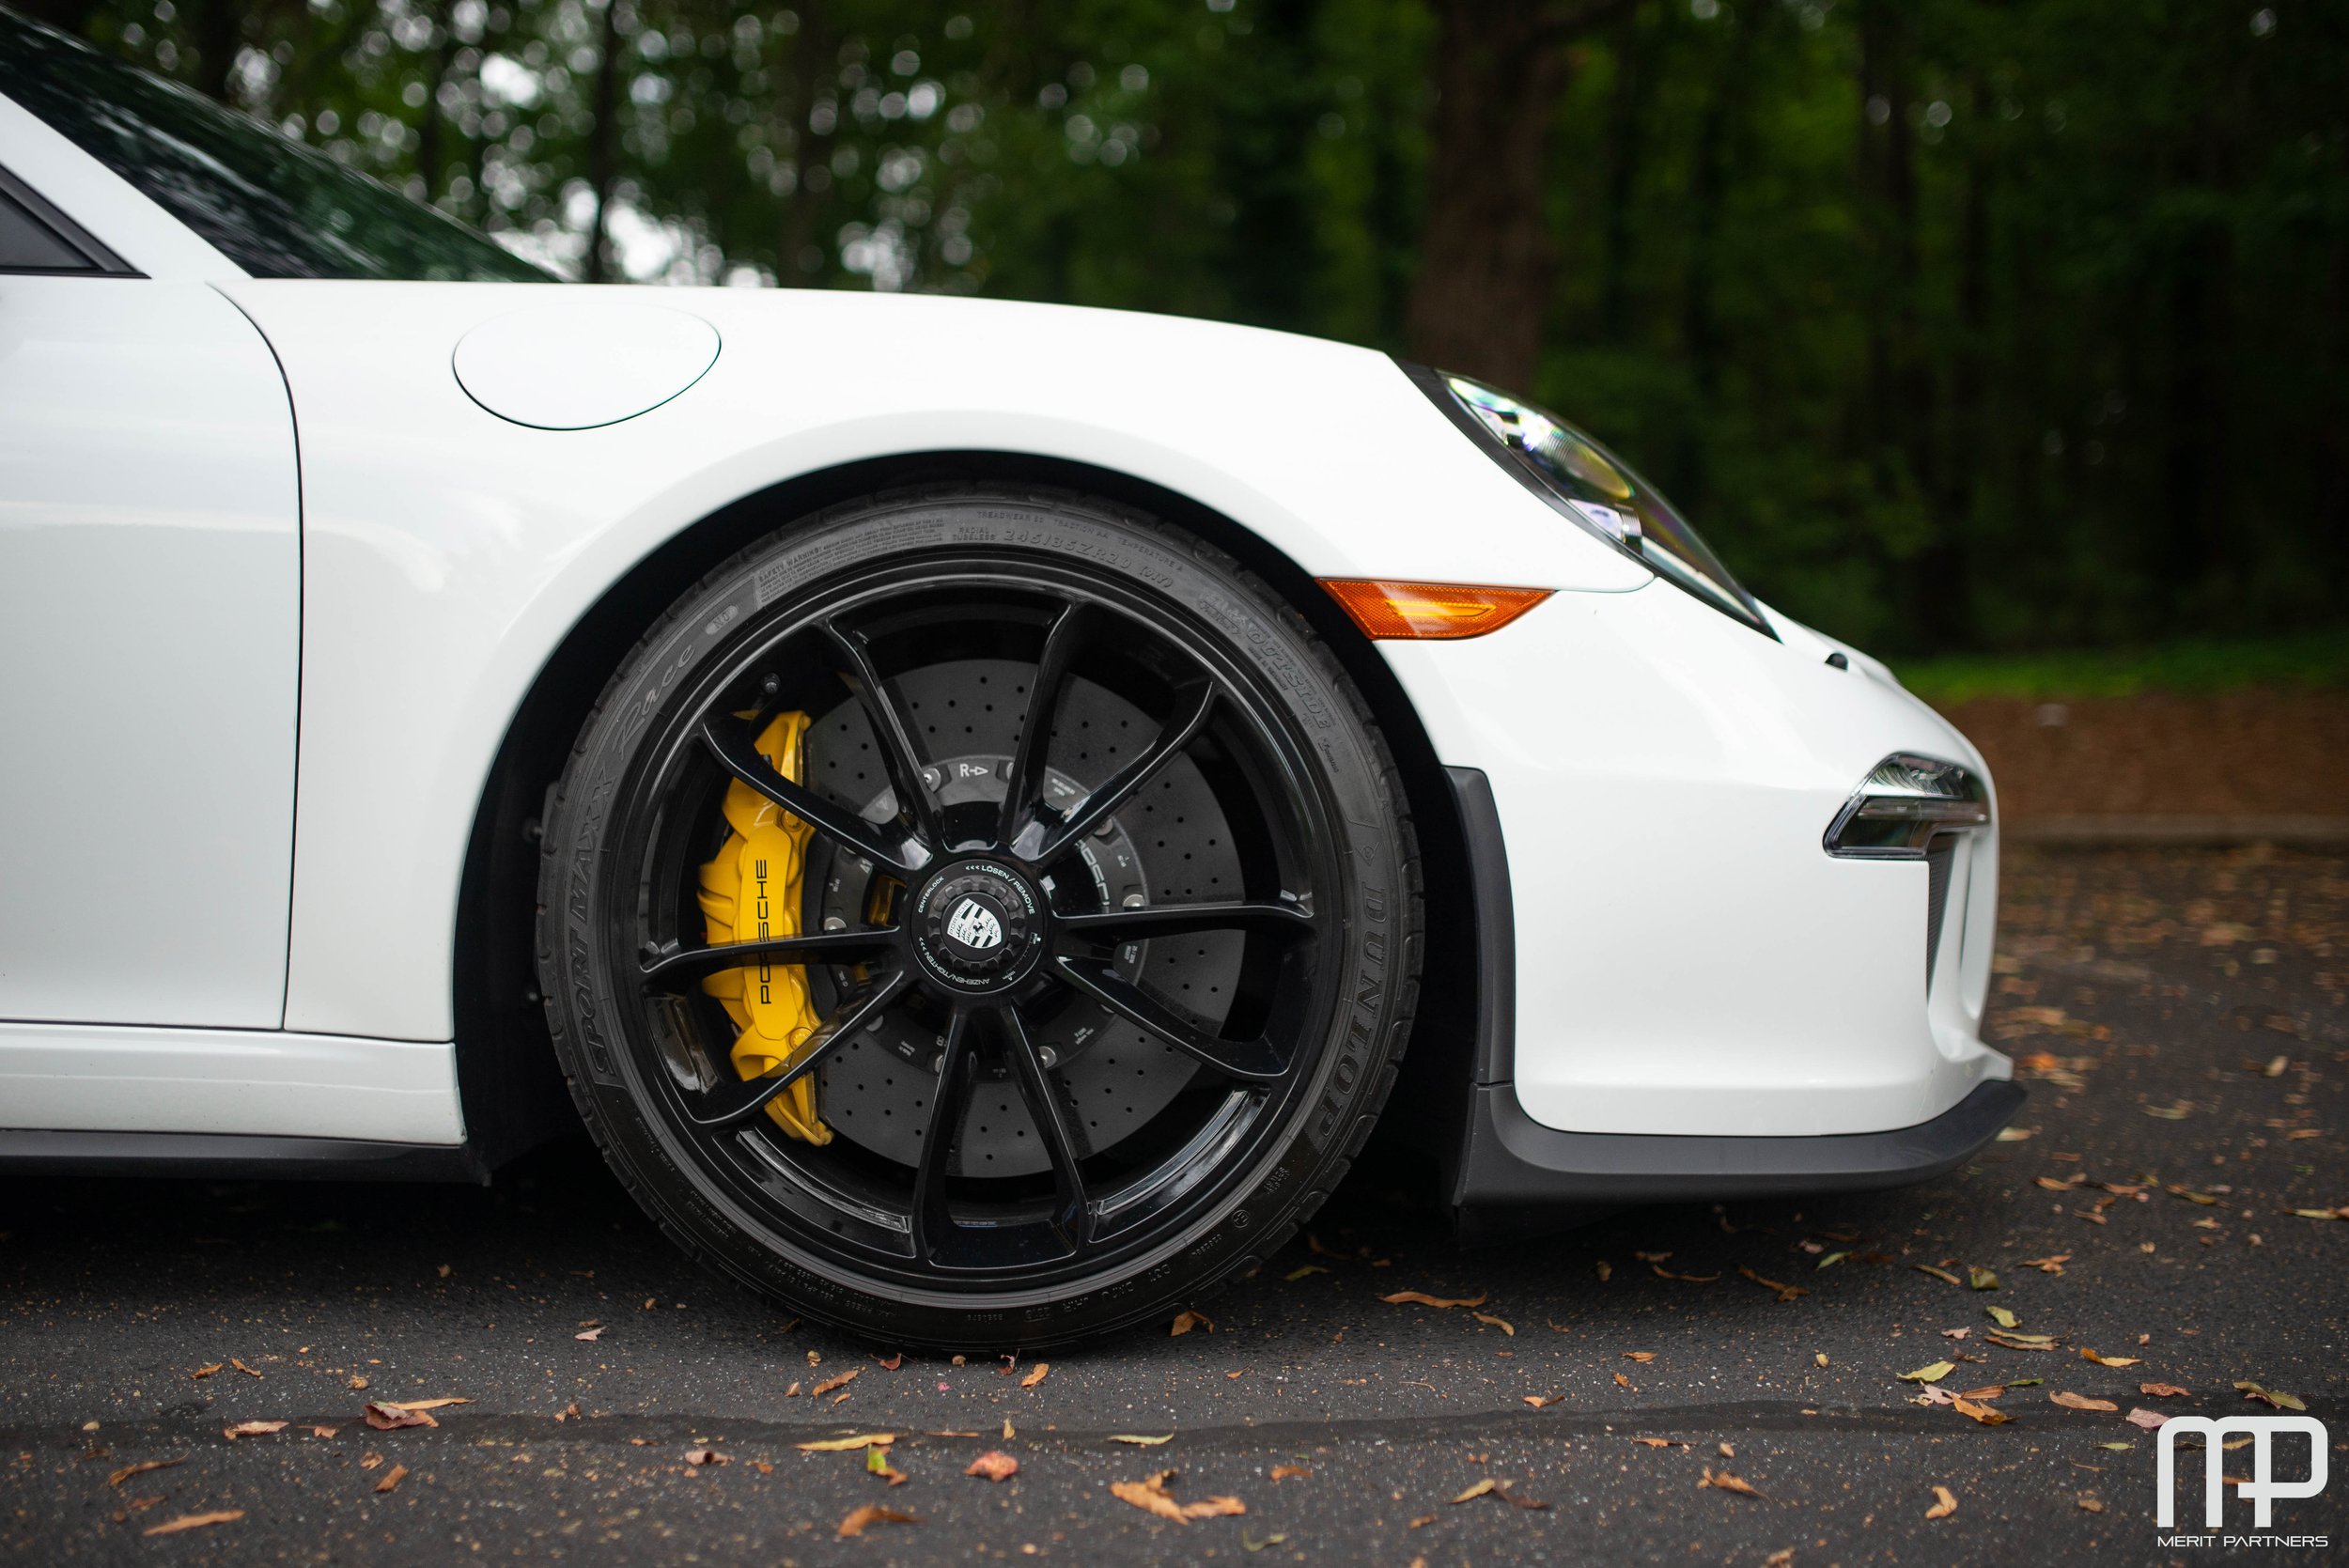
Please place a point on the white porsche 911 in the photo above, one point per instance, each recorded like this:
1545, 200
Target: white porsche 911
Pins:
974, 799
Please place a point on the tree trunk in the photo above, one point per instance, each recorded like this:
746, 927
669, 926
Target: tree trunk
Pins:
603, 140
1487, 267
1638, 50
815, 56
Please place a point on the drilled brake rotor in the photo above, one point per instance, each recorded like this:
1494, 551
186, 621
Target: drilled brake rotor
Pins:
1171, 844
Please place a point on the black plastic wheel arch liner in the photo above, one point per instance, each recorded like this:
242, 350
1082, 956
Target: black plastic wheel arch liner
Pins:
1504, 1159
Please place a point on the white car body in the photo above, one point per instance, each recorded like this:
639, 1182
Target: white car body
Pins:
273, 505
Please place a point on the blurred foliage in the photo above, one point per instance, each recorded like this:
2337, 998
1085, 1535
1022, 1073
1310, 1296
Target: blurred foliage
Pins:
1957, 324
2302, 661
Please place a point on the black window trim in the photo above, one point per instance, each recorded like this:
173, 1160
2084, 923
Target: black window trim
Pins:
103, 261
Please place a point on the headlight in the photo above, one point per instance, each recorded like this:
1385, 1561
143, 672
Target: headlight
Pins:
1902, 804
1591, 484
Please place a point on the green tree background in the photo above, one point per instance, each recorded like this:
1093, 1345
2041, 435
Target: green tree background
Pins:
1957, 324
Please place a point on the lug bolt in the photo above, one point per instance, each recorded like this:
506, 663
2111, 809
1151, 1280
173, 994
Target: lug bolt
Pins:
930, 777
1135, 901
833, 923
1050, 1056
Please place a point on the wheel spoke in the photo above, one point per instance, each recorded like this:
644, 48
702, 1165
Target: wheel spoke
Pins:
1071, 1216
730, 1103
1250, 1061
950, 1105
730, 744
1286, 923
1061, 642
1097, 807
901, 751
675, 969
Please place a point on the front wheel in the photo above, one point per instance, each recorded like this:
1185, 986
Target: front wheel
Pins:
980, 920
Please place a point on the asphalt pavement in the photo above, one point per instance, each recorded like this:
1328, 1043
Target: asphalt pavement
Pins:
1683, 1383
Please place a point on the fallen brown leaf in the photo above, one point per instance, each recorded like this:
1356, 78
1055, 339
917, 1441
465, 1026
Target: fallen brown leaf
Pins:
872, 1514
1945, 1503
1981, 1413
1140, 1441
428, 1404
1185, 1322
994, 1465
1421, 1522
194, 1521
2052, 1263
2071, 1401
2162, 1390
2150, 1419
386, 1416
1623, 1382
141, 1468
590, 1334
842, 1445
1420, 1298
252, 1429
1500, 1324
705, 1456
1035, 1375
1643, 1357
330, 1431
1786, 1292
891, 1363
243, 1368
206, 1370
1152, 1496
1941, 1274
1724, 1482
1657, 1442
2090, 1505
877, 1463
1540, 1401
1282, 1472
392, 1478
829, 1383
357, 1382
2111, 1360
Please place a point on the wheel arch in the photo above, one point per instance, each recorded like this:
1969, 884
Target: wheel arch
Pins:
509, 1086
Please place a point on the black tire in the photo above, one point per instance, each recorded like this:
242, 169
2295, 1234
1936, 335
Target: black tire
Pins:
1194, 1083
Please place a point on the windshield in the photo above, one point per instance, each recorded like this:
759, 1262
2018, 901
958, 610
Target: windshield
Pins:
1600, 492
274, 206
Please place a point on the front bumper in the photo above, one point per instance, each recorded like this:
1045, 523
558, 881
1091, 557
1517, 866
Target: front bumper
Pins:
1690, 962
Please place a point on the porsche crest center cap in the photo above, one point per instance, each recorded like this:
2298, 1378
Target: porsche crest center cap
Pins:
978, 925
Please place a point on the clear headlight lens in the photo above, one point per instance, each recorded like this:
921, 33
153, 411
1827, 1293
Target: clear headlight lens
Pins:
1597, 489
1902, 804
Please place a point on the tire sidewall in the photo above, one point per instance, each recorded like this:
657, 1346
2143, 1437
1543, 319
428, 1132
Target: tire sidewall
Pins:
1296, 1165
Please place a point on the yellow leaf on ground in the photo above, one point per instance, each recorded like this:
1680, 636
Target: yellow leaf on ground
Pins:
194, 1521
1944, 1503
1478, 1490
1504, 1325
1140, 1441
829, 1383
1035, 1375
2071, 1401
1933, 1372
2111, 1360
1420, 1298
842, 1445
1941, 1274
392, 1478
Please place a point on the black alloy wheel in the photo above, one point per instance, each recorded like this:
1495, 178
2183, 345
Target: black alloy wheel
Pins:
1108, 915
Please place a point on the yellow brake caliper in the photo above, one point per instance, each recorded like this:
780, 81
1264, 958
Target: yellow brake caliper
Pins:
749, 890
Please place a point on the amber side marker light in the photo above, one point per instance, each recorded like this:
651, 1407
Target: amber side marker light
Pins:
1435, 612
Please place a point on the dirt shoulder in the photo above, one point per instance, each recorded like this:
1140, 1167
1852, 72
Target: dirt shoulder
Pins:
2255, 753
